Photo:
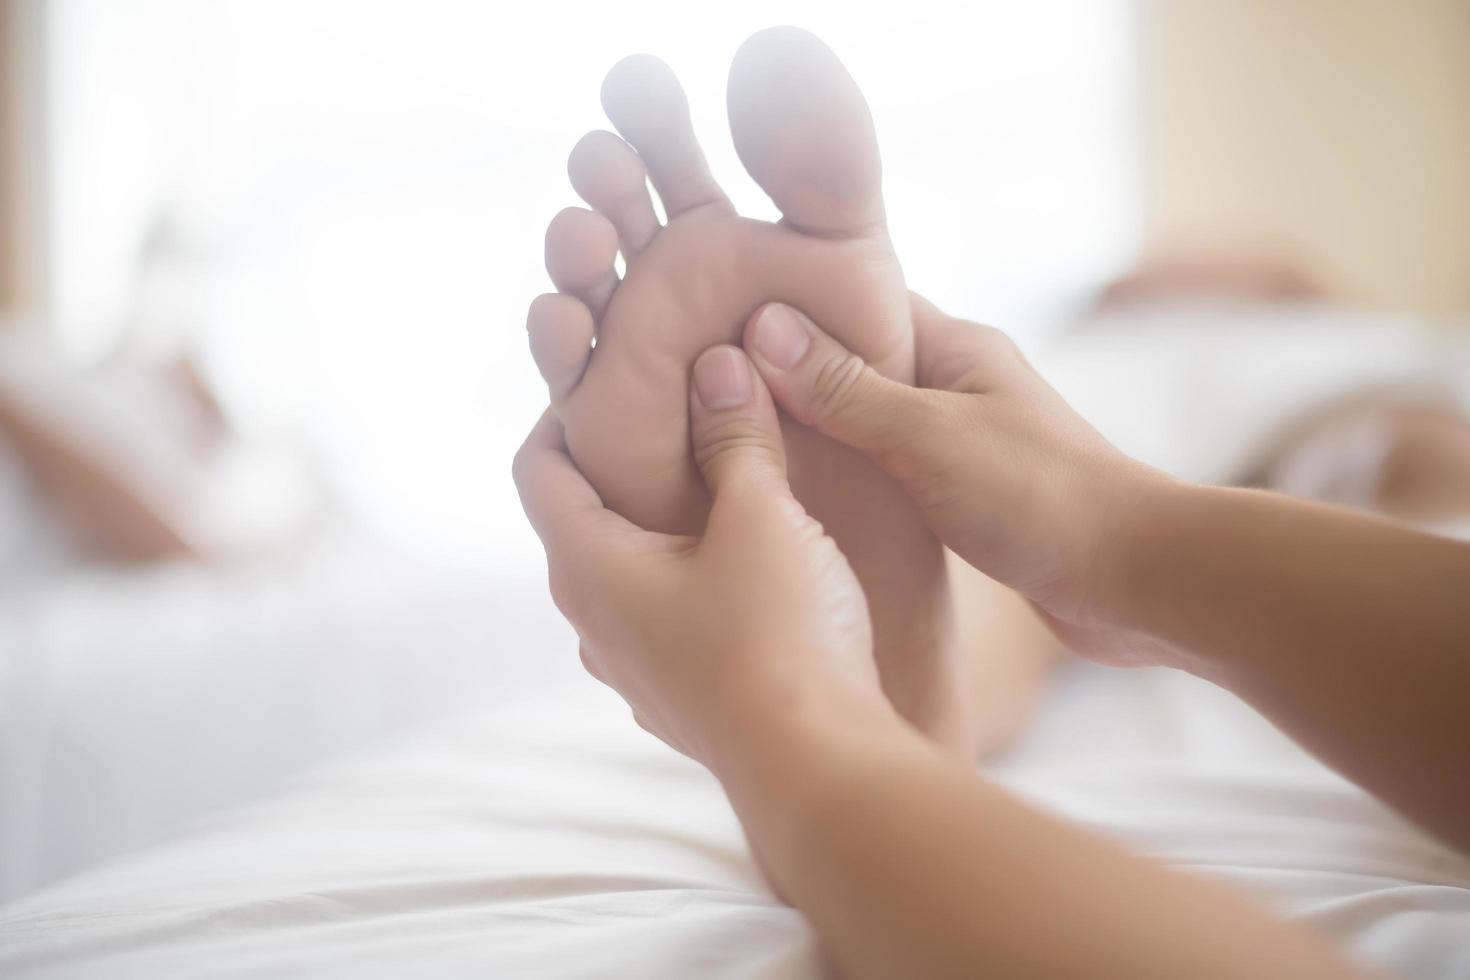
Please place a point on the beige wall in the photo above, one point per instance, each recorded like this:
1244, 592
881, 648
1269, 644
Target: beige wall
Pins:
7, 154
21, 240
1333, 131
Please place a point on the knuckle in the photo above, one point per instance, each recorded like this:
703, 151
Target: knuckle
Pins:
935, 488
923, 456
732, 437
520, 464
589, 664
834, 383
912, 464
994, 336
563, 593
974, 359
997, 346
1006, 347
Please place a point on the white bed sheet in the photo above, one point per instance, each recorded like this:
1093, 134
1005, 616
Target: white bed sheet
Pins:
1200, 392
555, 839
132, 700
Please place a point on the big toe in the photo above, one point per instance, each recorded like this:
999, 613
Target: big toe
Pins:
803, 130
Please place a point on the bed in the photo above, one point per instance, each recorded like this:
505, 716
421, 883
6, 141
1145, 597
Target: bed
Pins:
134, 699
548, 836
555, 839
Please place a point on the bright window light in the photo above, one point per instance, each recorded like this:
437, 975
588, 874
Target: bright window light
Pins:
359, 191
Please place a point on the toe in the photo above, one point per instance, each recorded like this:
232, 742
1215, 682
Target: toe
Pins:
608, 175
560, 329
803, 130
643, 99
581, 247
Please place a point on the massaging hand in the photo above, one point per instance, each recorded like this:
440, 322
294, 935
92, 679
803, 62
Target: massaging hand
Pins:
1008, 476
749, 649
698, 634
1320, 618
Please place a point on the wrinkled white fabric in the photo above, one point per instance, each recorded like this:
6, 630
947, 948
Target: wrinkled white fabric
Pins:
1201, 393
134, 700
557, 840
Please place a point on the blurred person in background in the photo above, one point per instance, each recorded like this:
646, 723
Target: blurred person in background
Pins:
132, 458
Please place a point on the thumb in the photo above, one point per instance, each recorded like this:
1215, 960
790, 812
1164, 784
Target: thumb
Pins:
733, 428
823, 385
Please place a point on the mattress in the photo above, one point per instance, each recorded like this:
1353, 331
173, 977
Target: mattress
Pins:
555, 839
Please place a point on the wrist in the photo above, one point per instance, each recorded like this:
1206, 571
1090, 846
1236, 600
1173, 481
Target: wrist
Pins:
782, 756
763, 722
1161, 547
1135, 557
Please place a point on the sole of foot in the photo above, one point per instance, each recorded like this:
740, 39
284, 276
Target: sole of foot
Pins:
616, 352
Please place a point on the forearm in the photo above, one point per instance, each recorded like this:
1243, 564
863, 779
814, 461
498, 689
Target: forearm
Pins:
1351, 633
908, 864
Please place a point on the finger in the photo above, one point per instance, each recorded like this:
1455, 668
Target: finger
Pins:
822, 384
733, 428
960, 355
566, 513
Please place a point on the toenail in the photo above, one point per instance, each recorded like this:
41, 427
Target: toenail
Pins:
722, 379
780, 337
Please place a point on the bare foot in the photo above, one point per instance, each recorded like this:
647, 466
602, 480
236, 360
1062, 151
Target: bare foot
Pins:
804, 132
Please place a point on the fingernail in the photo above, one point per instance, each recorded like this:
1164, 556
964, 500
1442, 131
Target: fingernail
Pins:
722, 379
780, 337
